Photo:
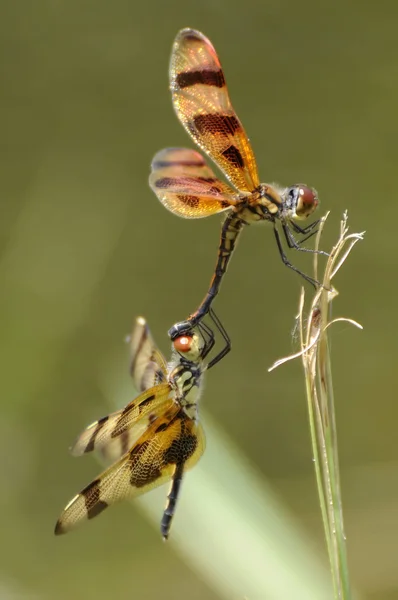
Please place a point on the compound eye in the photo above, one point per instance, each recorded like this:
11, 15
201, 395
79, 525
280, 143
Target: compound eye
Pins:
307, 201
183, 343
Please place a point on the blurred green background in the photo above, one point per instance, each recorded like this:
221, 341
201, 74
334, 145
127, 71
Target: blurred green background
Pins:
85, 246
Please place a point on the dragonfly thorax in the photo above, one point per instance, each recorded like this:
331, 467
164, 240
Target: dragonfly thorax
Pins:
186, 381
270, 202
263, 204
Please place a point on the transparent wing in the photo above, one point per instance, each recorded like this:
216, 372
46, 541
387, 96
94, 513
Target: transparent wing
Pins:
187, 186
176, 440
201, 101
148, 366
115, 434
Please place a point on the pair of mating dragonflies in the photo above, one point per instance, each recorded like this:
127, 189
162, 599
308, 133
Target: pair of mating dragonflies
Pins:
157, 436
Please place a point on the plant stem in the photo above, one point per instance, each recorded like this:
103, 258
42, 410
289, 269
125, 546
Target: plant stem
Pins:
315, 354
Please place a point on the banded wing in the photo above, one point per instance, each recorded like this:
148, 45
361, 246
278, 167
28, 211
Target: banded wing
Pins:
201, 101
147, 365
187, 186
115, 434
171, 442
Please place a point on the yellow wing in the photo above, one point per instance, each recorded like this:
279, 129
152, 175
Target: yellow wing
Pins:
201, 101
186, 186
171, 441
115, 434
148, 366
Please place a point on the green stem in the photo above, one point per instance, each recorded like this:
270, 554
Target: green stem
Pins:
334, 499
320, 398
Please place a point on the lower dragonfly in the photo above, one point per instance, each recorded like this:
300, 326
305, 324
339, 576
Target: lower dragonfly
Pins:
157, 436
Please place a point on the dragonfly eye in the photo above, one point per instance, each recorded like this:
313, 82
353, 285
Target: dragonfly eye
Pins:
306, 201
183, 343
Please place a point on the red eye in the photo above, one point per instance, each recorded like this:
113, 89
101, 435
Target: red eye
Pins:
307, 201
308, 196
183, 343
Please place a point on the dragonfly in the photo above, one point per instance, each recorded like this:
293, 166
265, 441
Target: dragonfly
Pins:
188, 187
157, 437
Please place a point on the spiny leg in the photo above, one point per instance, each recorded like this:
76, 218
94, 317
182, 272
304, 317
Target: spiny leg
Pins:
292, 242
225, 337
208, 338
297, 244
297, 229
304, 230
285, 261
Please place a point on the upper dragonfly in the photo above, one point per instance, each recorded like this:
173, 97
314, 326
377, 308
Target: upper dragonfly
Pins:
157, 436
188, 187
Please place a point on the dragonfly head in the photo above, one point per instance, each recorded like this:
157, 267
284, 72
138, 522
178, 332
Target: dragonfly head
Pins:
189, 346
301, 201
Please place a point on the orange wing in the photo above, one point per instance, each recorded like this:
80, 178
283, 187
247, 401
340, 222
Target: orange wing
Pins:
187, 186
171, 441
202, 104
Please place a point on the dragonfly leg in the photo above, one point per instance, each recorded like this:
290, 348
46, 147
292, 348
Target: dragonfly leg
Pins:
304, 230
208, 337
224, 335
293, 243
286, 262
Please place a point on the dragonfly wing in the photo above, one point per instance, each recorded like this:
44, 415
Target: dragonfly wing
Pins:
114, 434
172, 440
186, 185
201, 101
148, 366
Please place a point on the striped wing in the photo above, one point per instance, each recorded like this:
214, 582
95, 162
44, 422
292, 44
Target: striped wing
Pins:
186, 186
147, 365
175, 440
116, 433
201, 101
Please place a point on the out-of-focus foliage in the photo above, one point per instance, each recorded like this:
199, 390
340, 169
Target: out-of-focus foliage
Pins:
85, 247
